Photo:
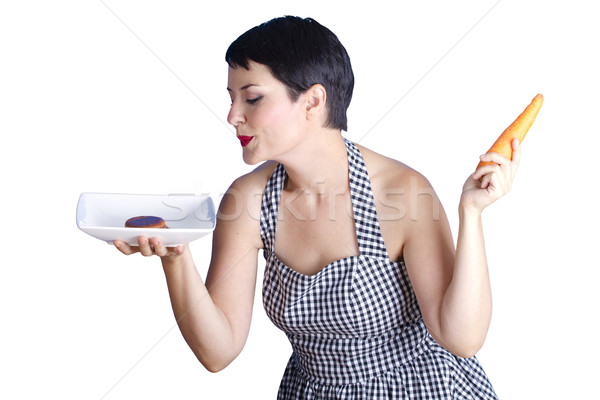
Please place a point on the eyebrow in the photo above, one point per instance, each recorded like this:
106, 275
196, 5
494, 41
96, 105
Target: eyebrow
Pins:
243, 87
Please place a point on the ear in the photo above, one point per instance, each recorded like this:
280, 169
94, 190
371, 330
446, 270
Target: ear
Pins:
316, 96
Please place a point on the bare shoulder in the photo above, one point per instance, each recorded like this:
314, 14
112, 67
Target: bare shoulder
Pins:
392, 176
239, 211
256, 180
403, 198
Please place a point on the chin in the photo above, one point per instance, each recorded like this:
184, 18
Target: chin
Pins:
250, 158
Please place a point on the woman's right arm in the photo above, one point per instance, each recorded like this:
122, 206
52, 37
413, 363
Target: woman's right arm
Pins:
214, 317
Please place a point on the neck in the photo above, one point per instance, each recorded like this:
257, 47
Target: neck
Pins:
320, 164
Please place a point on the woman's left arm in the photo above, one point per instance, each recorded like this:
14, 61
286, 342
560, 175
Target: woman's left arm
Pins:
454, 292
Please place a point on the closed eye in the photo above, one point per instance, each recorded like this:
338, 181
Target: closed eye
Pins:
254, 100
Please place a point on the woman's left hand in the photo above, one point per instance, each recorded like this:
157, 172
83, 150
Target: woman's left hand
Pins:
490, 182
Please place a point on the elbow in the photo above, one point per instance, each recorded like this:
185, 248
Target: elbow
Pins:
462, 341
215, 353
214, 361
214, 366
466, 352
214, 356
465, 348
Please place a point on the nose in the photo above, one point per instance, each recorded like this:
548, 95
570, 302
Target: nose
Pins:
235, 116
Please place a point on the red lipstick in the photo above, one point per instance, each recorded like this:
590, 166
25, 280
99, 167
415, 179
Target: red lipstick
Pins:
244, 140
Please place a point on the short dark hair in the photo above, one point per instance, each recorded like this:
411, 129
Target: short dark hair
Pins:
300, 53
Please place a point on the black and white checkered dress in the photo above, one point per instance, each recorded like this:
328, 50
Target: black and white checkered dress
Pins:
355, 327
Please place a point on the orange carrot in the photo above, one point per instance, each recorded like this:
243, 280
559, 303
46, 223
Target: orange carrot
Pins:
518, 129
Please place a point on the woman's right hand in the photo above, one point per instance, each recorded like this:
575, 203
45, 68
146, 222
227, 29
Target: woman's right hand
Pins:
149, 247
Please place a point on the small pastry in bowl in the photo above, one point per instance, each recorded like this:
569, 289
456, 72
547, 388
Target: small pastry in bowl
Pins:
145, 221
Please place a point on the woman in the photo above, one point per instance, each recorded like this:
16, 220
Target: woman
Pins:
361, 269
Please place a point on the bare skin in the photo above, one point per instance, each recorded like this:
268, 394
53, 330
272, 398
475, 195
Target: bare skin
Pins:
451, 284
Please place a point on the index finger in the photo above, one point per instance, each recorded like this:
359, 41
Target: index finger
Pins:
125, 248
516, 151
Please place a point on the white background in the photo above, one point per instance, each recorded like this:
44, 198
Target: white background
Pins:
88, 86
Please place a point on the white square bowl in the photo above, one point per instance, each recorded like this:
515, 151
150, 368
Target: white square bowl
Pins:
188, 217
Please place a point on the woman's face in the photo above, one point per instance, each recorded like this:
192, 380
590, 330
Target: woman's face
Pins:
266, 120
